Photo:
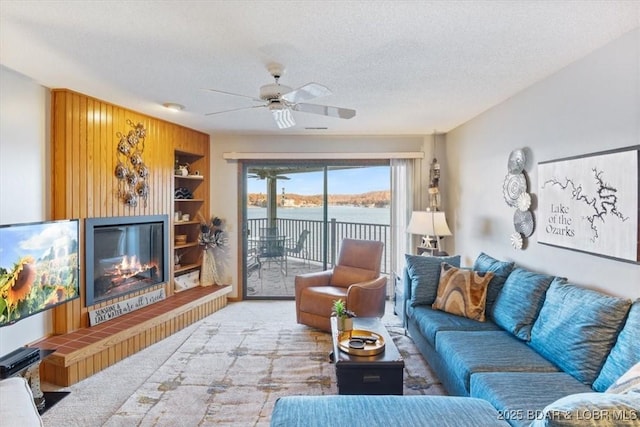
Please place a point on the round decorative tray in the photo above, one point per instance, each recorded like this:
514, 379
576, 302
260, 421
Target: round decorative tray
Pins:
359, 342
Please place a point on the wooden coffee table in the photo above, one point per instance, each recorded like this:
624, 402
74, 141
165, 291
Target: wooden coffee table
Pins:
378, 374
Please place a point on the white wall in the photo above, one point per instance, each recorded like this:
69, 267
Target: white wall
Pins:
592, 105
24, 177
225, 174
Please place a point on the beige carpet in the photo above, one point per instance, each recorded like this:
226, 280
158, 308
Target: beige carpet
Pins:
227, 369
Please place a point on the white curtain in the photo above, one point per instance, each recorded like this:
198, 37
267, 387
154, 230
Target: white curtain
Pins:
402, 195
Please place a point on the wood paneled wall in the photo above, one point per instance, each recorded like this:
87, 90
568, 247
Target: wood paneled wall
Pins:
84, 155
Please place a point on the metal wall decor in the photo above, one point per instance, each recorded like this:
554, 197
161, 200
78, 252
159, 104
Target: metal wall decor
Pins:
514, 191
131, 172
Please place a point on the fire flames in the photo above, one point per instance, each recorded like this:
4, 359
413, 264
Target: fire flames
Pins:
129, 267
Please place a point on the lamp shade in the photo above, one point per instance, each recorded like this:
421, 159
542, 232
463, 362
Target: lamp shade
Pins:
428, 223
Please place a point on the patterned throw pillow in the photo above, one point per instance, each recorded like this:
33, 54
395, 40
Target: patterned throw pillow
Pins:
462, 292
628, 383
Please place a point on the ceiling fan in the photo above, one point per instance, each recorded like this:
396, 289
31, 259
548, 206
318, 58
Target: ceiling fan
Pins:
266, 174
281, 100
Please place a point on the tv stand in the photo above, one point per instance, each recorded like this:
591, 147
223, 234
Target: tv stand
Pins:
25, 362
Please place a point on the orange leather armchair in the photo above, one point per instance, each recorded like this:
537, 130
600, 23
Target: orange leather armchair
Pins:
355, 279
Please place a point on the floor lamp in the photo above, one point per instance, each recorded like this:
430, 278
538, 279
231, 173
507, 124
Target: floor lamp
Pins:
429, 224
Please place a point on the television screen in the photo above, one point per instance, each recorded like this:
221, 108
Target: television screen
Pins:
38, 267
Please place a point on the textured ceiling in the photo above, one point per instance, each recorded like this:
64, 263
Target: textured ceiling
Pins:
406, 67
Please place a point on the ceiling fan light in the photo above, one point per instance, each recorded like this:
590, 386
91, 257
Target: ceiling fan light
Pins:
283, 117
273, 91
173, 106
275, 105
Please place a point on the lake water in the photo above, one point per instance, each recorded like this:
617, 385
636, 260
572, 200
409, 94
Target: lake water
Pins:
354, 214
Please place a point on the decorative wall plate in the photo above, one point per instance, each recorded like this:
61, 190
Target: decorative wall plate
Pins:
516, 162
516, 241
524, 202
513, 186
523, 222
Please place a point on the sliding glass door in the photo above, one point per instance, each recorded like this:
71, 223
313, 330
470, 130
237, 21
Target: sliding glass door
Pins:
297, 213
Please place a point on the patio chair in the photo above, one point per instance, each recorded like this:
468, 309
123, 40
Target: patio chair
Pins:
355, 278
253, 262
271, 249
300, 249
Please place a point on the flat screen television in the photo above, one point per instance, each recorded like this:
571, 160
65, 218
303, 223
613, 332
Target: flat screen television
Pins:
38, 267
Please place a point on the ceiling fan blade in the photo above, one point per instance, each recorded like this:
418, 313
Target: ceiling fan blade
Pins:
234, 109
306, 93
234, 94
283, 117
325, 110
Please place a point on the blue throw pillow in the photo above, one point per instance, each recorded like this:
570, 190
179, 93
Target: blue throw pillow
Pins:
576, 329
624, 354
424, 272
520, 301
500, 269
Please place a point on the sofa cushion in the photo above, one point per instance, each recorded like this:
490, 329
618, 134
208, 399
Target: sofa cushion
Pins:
577, 327
345, 276
624, 353
470, 352
518, 304
424, 272
364, 410
319, 299
629, 382
520, 397
591, 409
462, 292
500, 270
431, 321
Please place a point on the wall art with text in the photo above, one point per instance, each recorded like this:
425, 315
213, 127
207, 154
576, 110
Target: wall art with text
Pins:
589, 203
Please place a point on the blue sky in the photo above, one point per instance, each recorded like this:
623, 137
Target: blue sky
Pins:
32, 239
342, 181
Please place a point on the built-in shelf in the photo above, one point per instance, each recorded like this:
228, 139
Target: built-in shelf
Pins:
186, 245
189, 254
186, 222
199, 177
186, 267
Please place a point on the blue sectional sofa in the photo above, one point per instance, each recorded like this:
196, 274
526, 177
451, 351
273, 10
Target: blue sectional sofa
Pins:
548, 352
544, 339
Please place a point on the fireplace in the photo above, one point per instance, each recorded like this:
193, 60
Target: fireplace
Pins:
124, 255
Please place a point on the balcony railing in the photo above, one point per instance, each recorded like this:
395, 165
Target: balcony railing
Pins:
335, 232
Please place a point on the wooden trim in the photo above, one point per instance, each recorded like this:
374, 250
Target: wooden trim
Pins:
85, 136
322, 156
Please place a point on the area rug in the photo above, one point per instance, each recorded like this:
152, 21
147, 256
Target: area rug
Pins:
231, 371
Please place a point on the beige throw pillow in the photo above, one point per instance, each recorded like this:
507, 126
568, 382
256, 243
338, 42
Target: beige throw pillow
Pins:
462, 292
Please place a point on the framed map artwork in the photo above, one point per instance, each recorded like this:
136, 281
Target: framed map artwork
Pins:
590, 203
